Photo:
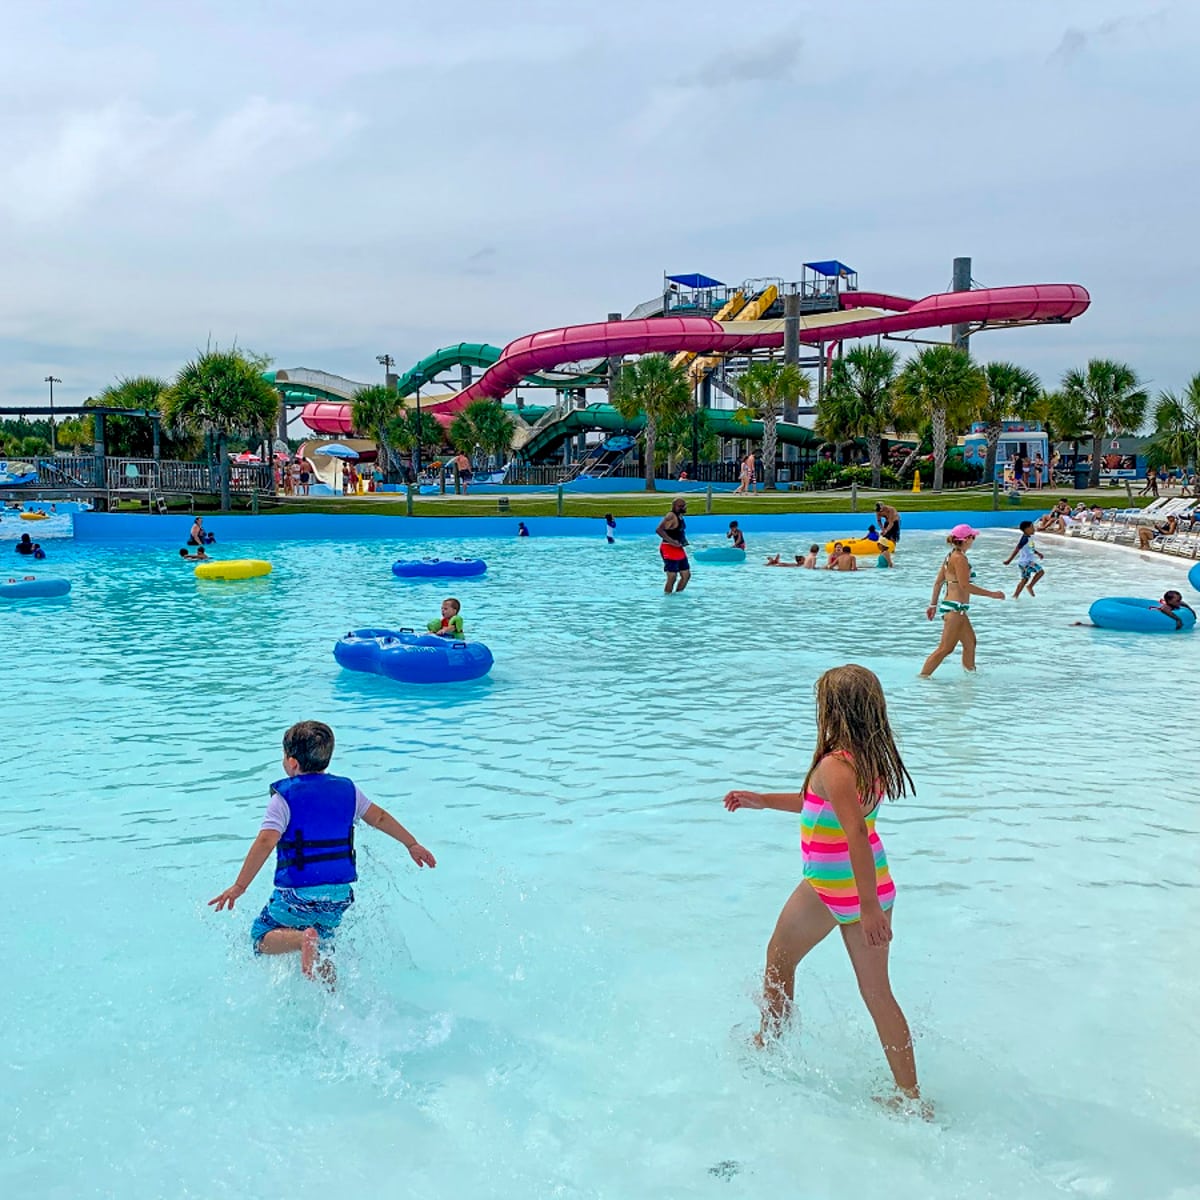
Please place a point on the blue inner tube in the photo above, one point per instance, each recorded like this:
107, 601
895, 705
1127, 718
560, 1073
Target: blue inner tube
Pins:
410, 657
34, 589
438, 568
1136, 615
1194, 577
720, 554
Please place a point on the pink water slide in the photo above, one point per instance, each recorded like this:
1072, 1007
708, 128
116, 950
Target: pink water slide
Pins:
880, 314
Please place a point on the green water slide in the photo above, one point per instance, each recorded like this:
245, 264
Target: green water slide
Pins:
605, 419
480, 354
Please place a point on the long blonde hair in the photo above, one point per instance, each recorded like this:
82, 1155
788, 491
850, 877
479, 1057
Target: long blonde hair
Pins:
852, 717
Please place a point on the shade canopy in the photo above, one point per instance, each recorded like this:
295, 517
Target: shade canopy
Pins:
831, 268
336, 450
695, 280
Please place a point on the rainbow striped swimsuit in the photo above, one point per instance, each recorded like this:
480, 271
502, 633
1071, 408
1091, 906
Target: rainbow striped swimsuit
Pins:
827, 860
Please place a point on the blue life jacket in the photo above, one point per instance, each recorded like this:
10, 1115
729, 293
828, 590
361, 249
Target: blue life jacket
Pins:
318, 845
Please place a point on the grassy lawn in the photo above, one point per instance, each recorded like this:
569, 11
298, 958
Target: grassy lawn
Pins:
642, 504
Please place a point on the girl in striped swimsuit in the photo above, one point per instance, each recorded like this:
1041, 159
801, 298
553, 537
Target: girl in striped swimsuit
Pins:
846, 882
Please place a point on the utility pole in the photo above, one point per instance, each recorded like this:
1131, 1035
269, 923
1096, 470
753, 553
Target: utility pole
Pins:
387, 362
52, 380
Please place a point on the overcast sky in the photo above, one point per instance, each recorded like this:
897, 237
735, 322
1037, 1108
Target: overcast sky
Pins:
327, 182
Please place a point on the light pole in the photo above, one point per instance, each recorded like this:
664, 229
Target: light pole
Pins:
387, 362
52, 380
418, 429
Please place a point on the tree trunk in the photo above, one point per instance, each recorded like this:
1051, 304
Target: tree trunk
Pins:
650, 446
875, 457
939, 447
992, 433
223, 465
1094, 473
770, 434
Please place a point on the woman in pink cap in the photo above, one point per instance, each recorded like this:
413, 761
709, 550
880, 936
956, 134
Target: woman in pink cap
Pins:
955, 576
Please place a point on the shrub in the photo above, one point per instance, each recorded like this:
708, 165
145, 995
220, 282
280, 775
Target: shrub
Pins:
822, 474
862, 476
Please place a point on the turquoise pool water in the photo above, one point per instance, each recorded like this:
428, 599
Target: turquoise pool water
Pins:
561, 1008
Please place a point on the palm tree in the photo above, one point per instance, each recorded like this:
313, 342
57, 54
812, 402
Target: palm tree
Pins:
131, 436
412, 429
857, 401
943, 387
485, 424
650, 386
372, 412
1177, 427
1110, 399
766, 386
77, 432
222, 392
1012, 391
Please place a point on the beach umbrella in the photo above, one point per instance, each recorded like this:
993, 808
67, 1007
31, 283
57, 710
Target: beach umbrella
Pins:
336, 450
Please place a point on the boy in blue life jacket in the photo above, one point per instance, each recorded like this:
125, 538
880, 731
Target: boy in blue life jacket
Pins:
310, 825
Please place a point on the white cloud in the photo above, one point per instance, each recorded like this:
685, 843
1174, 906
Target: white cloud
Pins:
64, 167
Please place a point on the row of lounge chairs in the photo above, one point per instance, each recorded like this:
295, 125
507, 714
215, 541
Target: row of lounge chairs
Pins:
1121, 525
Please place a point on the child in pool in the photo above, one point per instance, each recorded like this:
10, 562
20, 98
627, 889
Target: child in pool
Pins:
610, 528
312, 892
1170, 604
884, 561
739, 541
1027, 554
450, 624
200, 555
841, 559
810, 559
846, 884
773, 561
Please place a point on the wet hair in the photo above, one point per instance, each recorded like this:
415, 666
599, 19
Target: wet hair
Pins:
814, 549
852, 717
1173, 597
451, 600
1025, 525
732, 524
183, 553
310, 743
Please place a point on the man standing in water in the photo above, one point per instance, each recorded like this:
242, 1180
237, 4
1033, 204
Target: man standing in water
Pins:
889, 522
672, 529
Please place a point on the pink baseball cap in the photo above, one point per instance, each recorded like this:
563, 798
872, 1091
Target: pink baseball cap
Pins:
960, 533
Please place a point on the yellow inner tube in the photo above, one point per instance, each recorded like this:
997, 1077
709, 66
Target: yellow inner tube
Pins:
234, 568
34, 516
858, 546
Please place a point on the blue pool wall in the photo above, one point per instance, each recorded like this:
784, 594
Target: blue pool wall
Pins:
231, 530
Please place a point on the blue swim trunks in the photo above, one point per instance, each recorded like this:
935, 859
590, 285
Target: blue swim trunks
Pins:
1032, 570
321, 908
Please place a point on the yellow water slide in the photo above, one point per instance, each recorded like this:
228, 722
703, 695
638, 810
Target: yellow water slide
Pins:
727, 312
751, 312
